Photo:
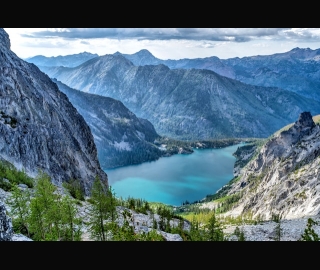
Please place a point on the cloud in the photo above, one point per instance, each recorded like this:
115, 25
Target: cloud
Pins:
206, 34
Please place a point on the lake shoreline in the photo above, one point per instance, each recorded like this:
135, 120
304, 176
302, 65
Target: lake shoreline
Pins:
187, 148
179, 178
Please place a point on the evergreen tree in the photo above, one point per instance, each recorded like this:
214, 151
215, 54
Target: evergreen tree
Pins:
112, 203
52, 216
45, 216
214, 229
309, 233
19, 204
239, 234
72, 224
99, 210
126, 231
278, 229
196, 233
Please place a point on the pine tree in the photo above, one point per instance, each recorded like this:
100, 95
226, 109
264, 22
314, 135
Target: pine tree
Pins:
196, 233
309, 233
19, 204
45, 216
72, 224
53, 216
239, 234
278, 229
214, 229
99, 210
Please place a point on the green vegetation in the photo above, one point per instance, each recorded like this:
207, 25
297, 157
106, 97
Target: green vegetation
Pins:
309, 233
239, 234
20, 209
9, 176
75, 189
316, 119
140, 152
102, 208
226, 203
44, 216
173, 145
138, 205
278, 229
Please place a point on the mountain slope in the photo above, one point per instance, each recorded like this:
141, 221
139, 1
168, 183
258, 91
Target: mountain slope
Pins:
284, 175
297, 70
187, 104
121, 138
39, 127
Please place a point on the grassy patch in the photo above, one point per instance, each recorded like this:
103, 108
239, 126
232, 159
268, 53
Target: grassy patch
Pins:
316, 119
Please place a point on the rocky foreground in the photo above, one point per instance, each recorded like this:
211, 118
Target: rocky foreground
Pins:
141, 222
291, 229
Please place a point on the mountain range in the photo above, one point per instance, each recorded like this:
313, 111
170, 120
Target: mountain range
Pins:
187, 104
296, 70
72, 60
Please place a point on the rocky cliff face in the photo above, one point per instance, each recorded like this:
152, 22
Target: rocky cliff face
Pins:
39, 127
6, 231
121, 137
284, 177
187, 104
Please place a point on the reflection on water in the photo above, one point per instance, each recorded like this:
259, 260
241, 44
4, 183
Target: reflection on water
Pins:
173, 180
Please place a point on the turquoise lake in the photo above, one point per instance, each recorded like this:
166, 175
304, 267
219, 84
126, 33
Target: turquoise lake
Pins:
173, 180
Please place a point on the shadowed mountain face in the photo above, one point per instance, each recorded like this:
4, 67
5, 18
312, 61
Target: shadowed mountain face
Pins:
187, 104
39, 127
121, 138
65, 61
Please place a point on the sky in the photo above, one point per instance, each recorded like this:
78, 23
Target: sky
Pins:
163, 43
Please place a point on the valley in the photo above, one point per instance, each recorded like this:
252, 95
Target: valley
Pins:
129, 147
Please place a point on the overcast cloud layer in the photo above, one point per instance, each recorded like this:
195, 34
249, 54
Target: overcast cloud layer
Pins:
164, 43
212, 34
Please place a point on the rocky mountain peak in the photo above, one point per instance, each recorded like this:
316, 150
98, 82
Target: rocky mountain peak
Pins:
301, 127
4, 39
305, 121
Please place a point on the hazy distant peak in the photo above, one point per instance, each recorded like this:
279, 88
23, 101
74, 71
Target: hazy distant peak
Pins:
88, 53
144, 52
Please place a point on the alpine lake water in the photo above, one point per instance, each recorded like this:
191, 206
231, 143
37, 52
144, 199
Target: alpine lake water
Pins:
175, 179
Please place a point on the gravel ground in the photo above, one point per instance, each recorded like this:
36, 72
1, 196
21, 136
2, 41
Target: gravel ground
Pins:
291, 230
